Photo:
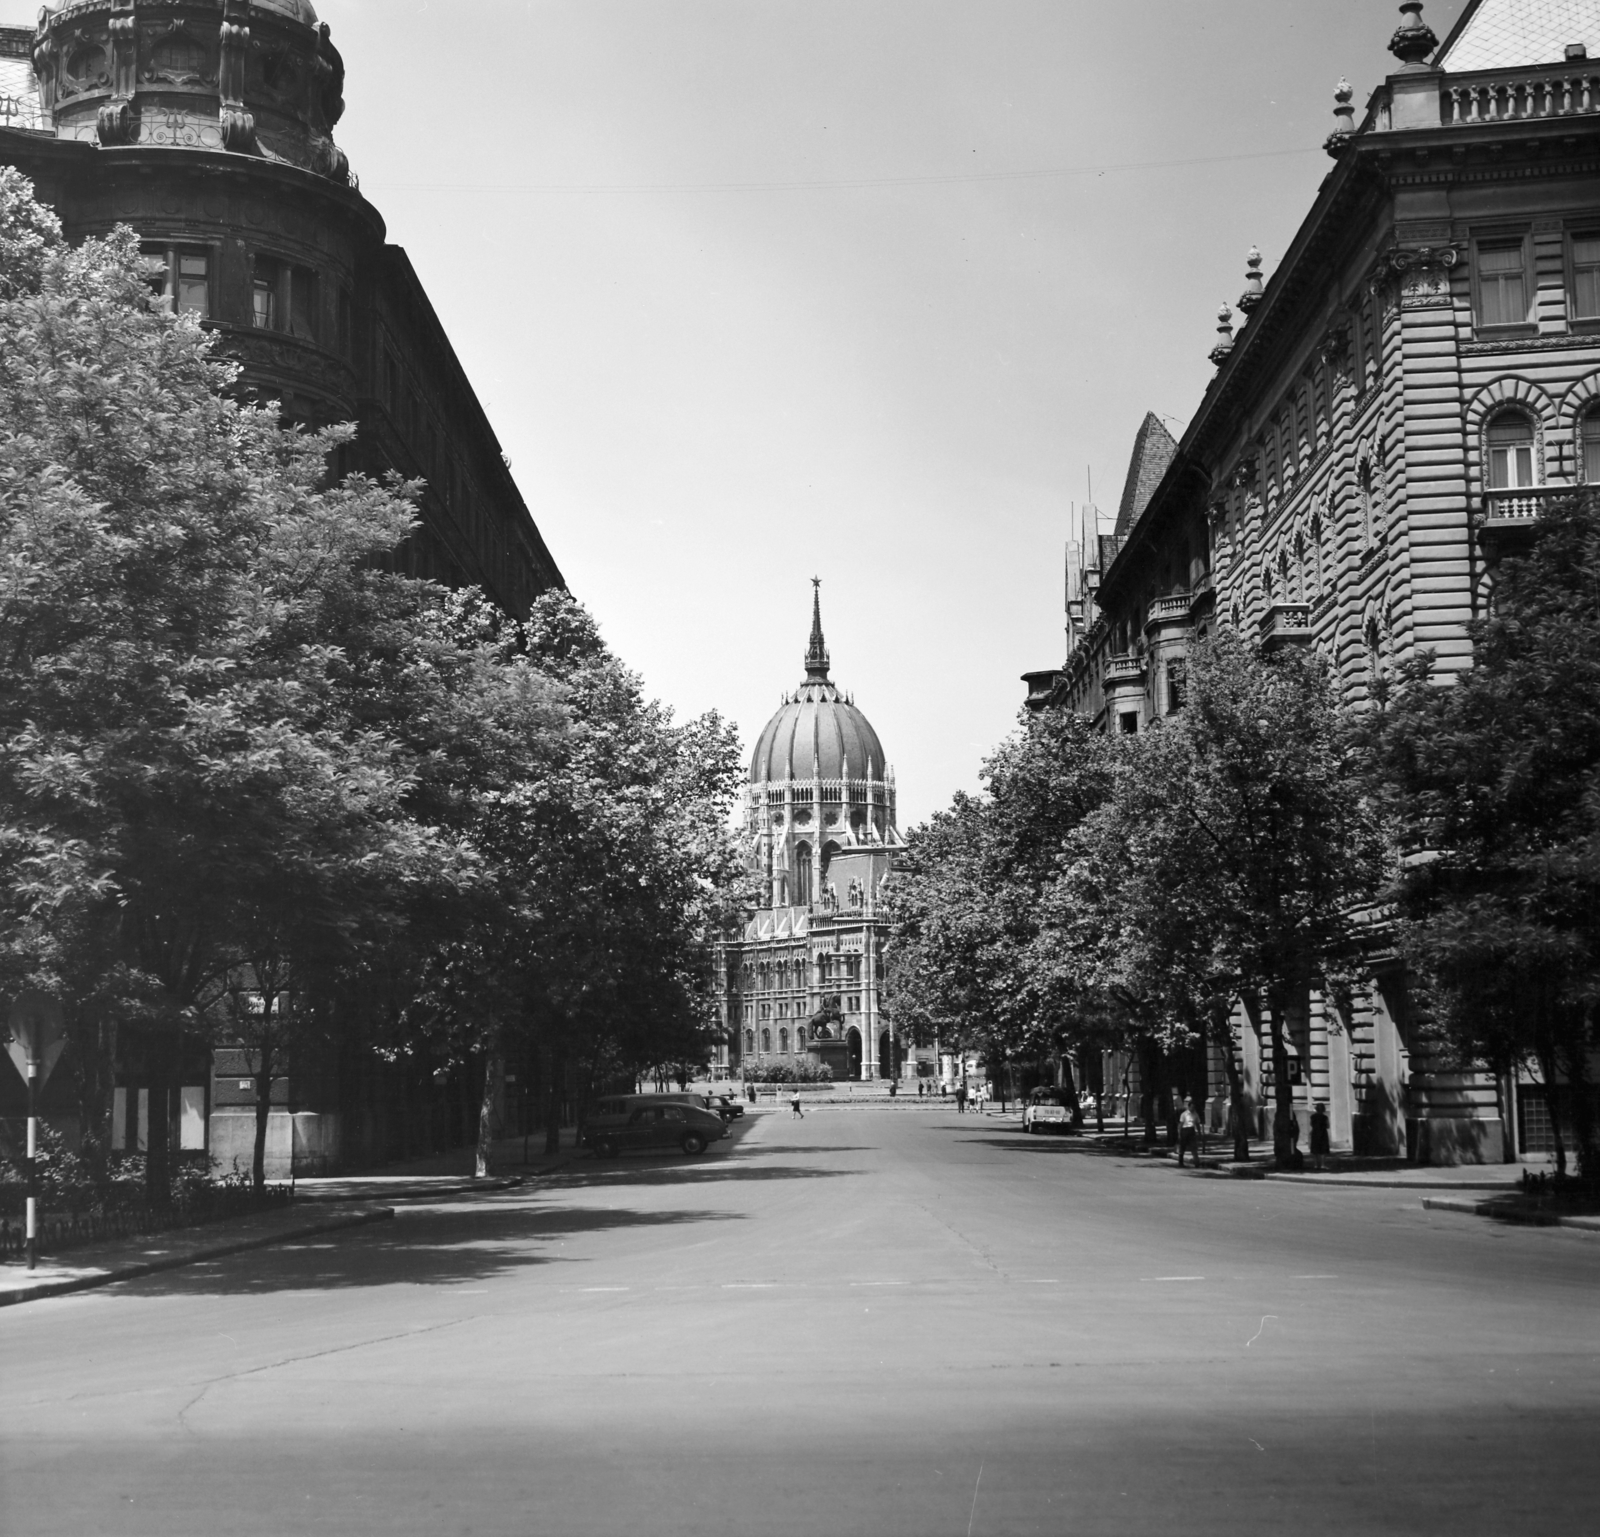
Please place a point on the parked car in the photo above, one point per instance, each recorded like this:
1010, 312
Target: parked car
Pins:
640, 1122
726, 1106
1046, 1110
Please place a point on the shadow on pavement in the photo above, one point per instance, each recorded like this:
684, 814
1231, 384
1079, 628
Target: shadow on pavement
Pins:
765, 1148
621, 1172
1021, 1142
443, 1247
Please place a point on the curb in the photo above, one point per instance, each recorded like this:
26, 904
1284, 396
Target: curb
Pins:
1522, 1216
1349, 1181
131, 1271
413, 1193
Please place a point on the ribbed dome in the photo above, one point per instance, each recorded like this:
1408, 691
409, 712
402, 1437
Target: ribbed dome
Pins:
818, 734
813, 736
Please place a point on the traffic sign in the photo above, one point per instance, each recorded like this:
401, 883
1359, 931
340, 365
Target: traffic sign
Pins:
38, 1033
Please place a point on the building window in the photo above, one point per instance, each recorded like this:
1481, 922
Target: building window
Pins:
1128, 723
1374, 653
283, 298
800, 1038
1174, 687
1503, 284
1510, 452
1586, 277
783, 1041
264, 285
766, 1040
1369, 504
749, 1040
185, 278
802, 875
1589, 436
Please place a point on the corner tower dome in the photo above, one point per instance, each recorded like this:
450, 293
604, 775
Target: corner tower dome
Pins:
248, 77
818, 734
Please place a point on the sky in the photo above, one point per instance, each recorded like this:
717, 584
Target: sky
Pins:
760, 290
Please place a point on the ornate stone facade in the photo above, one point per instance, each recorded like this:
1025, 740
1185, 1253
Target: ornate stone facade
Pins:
1420, 374
207, 125
804, 979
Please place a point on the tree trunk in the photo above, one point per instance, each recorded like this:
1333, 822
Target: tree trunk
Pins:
1222, 1027
493, 1066
1149, 1088
1583, 1127
555, 1084
264, 1073
1283, 1141
1547, 1070
157, 1161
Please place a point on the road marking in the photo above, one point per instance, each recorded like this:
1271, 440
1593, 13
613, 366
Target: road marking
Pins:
602, 1288
1172, 1278
1316, 1278
748, 1286
1257, 1335
1027, 1282
974, 1516
880, 1283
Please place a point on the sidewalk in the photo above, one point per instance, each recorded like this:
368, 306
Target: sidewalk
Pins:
444, 1174
320, 1206
1343, 1168
101, 1264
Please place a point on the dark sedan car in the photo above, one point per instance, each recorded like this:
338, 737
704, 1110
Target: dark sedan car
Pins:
644, 1122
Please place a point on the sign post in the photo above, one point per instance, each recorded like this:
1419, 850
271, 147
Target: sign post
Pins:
37, 1038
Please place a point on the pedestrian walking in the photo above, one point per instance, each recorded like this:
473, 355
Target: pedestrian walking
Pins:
797, 1113
1188, 1133
1319, 1137
961, 1099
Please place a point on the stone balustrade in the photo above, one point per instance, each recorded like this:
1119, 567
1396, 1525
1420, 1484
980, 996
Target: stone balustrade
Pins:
1519, 505
1563, 92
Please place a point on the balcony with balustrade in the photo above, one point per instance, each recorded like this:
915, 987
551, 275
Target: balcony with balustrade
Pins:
1286, 624
1506, 519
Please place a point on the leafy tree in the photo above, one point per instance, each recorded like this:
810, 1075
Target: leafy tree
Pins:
1264, 827
1495, 784
197, 634
966, 957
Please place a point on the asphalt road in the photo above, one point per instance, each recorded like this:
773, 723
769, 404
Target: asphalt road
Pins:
873, 1322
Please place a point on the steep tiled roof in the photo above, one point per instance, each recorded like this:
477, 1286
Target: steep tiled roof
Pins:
1507, 34
1153, 451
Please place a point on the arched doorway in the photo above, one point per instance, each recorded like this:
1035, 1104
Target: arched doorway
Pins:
852, 1041
888, 1056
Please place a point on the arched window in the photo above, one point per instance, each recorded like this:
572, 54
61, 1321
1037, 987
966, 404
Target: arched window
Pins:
783, 1041
1374, 647
802, 875
1589, 436
749, 1040
800, 1038
766, 1040
1510, 444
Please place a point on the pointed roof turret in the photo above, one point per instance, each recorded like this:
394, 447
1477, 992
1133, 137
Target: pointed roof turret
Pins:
1153, 450
817, 651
